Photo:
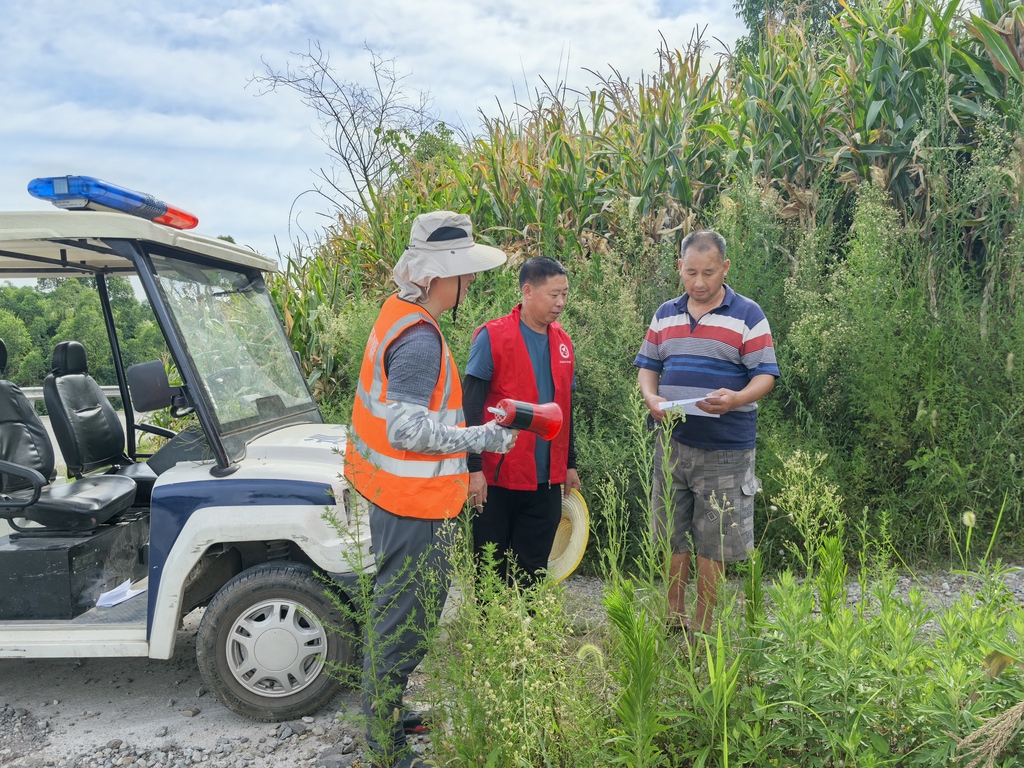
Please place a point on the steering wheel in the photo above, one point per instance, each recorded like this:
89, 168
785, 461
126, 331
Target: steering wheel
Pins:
153, 429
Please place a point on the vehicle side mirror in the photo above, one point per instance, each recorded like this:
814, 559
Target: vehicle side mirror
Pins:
151, 391
149, 387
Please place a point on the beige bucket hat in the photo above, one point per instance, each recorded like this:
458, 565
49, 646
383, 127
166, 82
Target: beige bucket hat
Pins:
441, 245
570, 538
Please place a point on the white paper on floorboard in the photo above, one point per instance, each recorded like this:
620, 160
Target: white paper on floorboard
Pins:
689, 407
118, 594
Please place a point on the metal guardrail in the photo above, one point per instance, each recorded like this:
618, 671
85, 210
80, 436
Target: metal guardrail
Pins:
36, 393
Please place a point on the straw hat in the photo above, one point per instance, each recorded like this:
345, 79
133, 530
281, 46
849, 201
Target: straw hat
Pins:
570, 538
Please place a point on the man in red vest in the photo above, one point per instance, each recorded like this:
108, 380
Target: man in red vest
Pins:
526, 356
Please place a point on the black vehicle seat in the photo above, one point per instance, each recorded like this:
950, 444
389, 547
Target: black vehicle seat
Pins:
76, 506
85, 424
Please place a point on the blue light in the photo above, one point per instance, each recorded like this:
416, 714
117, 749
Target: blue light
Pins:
85, 192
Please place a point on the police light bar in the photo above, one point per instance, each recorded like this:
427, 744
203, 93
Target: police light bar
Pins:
87, 193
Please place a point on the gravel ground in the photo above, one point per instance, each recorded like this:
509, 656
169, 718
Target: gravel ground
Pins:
102, 713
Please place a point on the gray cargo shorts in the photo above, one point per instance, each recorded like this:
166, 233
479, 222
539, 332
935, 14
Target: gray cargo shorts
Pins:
711, 497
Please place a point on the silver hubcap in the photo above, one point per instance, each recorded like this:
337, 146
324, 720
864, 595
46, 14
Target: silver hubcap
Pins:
276, 648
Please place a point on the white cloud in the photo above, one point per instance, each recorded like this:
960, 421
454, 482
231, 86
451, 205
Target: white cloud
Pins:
159, 99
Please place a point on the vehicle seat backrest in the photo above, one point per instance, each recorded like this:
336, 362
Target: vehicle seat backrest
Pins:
23, 438
85, 424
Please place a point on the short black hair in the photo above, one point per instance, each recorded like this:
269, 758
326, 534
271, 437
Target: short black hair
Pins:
537, 270
702, 240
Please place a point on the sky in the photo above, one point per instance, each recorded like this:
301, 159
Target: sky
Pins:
161, 98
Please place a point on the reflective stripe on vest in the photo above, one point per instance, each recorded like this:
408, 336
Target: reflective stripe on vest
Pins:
426, 486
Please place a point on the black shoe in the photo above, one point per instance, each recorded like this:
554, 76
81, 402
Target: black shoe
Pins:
415, 722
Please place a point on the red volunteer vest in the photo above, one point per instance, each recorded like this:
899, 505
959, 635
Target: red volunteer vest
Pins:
514, 378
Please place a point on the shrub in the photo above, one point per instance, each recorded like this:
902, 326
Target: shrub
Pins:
514, 686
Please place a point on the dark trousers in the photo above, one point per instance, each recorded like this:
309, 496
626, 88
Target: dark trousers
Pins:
522, 525
412, 580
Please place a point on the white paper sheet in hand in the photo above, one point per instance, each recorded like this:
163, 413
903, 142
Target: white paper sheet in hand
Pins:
689, 407
118, 594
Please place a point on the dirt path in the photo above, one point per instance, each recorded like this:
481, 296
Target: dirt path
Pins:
68, 711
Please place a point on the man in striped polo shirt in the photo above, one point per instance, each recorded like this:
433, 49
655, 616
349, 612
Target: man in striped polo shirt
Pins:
711, 347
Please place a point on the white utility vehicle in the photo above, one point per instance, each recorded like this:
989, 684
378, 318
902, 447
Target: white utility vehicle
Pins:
227, 514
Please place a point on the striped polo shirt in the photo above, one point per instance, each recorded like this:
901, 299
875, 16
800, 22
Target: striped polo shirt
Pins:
725, 348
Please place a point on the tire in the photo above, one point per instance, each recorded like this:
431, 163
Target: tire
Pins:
268, 642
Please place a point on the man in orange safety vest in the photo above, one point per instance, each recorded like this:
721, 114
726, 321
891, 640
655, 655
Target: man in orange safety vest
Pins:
406, 454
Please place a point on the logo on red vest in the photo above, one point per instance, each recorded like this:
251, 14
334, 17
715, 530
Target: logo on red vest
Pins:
563, 350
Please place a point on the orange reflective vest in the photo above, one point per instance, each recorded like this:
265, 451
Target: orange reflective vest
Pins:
420, 485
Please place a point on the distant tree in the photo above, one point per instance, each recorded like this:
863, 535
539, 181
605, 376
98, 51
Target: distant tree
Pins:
28, 304
761, 15
63, 297
122, 295
434, 143
84, 324
34, 320
33, 369
128, 311
146, 343
16, 338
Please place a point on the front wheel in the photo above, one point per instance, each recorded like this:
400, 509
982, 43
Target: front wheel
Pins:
268, 642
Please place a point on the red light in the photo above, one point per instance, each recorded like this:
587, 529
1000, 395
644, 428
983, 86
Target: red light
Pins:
177, 218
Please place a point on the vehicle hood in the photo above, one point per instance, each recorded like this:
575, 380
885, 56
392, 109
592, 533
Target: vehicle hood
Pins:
312, 443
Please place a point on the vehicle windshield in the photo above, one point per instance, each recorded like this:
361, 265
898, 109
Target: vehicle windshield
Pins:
247, 371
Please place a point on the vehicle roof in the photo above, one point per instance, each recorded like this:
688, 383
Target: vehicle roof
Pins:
35, 243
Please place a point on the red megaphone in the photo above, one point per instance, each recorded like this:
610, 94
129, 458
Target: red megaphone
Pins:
544, 420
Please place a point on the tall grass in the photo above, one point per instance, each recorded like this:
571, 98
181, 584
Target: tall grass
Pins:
510, 682
797, 672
